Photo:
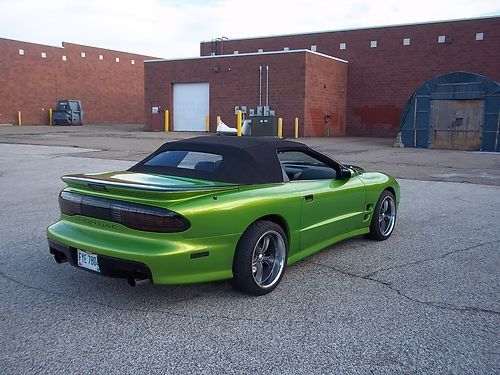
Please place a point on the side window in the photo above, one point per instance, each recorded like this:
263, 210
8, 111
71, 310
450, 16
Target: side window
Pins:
299, 165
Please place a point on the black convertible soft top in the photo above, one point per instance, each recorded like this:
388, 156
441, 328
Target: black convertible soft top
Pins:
248, 160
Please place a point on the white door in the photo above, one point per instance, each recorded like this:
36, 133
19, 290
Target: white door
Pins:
190, 106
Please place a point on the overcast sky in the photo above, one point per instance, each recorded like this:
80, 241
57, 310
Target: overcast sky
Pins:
174, 28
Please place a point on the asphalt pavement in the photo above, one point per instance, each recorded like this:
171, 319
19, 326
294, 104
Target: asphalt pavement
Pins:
425, 301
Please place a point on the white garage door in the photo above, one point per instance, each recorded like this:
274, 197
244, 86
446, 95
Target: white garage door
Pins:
190, 106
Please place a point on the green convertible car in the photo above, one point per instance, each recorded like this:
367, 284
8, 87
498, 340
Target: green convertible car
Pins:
214, 208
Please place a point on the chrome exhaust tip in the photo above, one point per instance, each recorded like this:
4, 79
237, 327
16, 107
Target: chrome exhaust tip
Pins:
132, 281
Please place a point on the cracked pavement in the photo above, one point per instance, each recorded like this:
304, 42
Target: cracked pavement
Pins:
426, 300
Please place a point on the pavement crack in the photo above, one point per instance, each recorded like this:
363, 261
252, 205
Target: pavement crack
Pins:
143, 310
472, 247
387, 284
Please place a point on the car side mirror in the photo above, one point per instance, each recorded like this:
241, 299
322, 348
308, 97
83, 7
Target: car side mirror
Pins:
345, 173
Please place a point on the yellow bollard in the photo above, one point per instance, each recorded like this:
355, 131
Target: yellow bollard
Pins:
50, 116
167, 118
207, 123
218, 120
280, 127
296, 127
19, 118
238, 123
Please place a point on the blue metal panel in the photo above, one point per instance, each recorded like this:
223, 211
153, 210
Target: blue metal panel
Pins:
458, 95
422, 121
491, 109
415, 125
491, 127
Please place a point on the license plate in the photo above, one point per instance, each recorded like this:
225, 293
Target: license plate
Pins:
87, 260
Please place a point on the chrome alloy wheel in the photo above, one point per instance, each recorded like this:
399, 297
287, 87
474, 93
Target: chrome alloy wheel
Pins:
387, 215
268, 259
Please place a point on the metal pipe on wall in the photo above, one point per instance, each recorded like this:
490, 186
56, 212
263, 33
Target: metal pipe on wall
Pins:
267, 85
260, 85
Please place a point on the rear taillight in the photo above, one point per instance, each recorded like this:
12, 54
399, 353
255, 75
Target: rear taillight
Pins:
70, 204
132, 215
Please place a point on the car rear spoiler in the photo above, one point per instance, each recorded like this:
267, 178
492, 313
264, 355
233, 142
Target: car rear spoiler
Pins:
99, 184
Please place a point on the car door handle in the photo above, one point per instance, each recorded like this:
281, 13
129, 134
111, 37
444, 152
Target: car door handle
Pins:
309, 198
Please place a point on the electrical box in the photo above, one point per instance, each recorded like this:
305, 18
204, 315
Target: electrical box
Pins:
264, 126
242, 108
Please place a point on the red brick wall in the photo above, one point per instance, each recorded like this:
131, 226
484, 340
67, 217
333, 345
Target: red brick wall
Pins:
325, 103
111, 92
236, 83
381, 79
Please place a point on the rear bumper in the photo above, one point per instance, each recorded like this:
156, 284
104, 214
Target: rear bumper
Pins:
169, 258
109, 266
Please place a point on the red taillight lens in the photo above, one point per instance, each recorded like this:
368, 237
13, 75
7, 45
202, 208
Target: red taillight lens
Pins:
70, 203
132, 215
147, 218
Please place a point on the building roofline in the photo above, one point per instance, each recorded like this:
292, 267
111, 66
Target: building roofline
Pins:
360, 28
104, 49
34, 43
62, 46
249, 54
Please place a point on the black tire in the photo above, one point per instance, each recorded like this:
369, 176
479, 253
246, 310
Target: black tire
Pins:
260, 258
384, 217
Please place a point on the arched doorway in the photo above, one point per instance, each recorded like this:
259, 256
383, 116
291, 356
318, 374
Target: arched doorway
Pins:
457, 110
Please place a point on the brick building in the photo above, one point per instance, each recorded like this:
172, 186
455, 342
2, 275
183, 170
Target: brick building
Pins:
33, 77
349, 82
234, 80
